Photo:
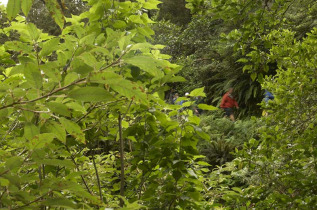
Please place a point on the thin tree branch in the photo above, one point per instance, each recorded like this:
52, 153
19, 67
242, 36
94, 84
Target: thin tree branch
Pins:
115, 62
37, 199
34, 111
88, 112
4, 172
121, 160
77, 168
44, 96
97, 174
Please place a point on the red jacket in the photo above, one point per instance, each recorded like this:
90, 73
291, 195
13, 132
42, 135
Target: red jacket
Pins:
228, 101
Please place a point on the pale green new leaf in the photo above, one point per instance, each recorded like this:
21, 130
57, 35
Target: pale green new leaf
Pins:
198, 92
151, 4
207, 107
34, 33
194, 119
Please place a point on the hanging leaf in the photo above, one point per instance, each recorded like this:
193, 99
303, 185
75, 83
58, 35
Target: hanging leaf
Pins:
30, 130
13, 8
91, 94
73, 129
56, 12
58, 130
33, 75
26, 6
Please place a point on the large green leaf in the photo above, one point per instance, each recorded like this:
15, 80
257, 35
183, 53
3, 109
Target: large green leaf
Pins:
33, 31
73, 129
122, 86
41, 140
58, 108
151, 4
13, 162
57, 129
49, 47
91, 94
80, 67
77, 107
26, 6
13, 8
30, 130
33, 75
56, 12
18, 46
146, 63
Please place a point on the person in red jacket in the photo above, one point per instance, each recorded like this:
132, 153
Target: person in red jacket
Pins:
228, 103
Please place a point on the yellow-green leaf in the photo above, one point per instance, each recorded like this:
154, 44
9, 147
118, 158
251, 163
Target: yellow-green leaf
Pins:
13, 8
207, 107
26, 6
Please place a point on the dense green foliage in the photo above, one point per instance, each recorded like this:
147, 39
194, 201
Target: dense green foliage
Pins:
83, 117
71, 104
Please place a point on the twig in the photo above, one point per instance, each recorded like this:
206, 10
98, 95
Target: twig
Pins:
34, 111
4, 172
121, 160
37, 199
115, 62
91, 108
5, 189
44, 96
97, 175
82, 177
14, 124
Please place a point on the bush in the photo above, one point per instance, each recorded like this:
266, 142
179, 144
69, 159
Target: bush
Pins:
225, 137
